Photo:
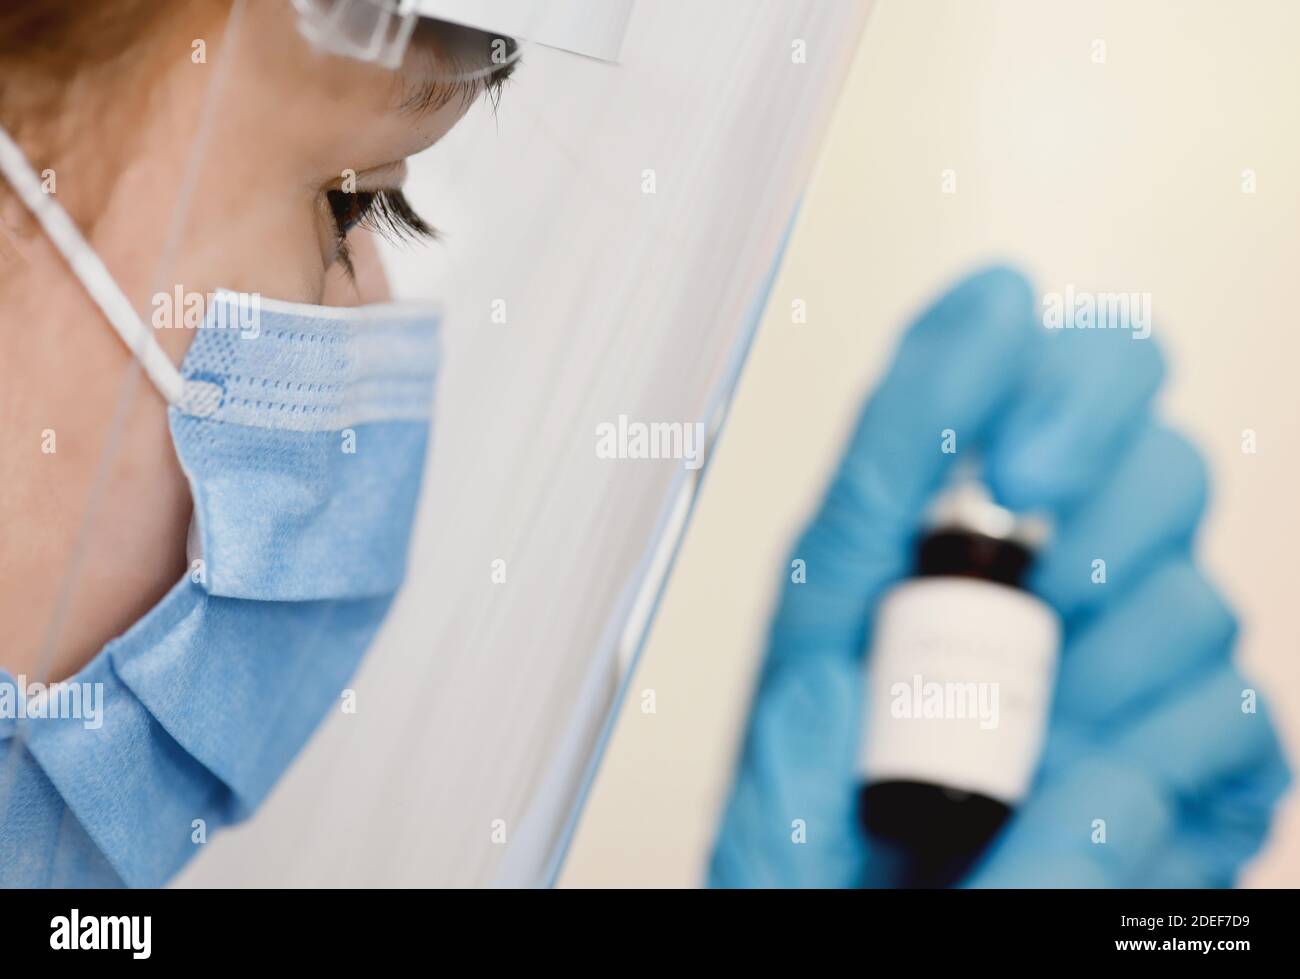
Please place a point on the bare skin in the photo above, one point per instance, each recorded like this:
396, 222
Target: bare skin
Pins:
120, 137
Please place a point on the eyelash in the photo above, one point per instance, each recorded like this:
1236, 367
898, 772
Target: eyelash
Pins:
385, 212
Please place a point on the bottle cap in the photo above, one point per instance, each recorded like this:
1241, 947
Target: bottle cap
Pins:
965, 503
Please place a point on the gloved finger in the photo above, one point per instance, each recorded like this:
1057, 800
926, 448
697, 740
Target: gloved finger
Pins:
1083, 400
1169, 630
1221, 830
1149, 507
1222, 823
791, 818
1091, 825
1115, 815
1249, 797
1210, 734
953, 371
1104, 824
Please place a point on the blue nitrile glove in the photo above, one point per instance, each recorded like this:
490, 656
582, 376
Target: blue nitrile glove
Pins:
1147, 728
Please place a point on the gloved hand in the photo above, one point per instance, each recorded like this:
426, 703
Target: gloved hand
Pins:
1147, 729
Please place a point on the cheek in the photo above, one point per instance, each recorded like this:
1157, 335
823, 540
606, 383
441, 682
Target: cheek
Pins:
261, 239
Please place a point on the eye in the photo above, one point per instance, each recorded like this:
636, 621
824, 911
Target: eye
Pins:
387, 212
349, 210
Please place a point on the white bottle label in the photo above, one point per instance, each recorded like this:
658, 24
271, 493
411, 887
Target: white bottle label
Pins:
959, 685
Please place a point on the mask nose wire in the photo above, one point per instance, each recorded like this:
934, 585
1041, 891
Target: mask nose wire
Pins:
90, 270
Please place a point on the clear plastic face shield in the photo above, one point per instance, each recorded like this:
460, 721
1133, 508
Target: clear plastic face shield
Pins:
358, 549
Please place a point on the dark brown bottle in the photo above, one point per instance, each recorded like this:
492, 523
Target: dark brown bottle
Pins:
959, 683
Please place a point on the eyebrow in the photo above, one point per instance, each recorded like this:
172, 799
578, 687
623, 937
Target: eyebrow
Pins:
445, 44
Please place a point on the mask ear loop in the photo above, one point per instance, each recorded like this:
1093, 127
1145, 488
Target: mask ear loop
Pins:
103, 289
90, 270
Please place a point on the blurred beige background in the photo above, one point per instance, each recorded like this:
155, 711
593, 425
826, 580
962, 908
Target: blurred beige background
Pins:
1123, 175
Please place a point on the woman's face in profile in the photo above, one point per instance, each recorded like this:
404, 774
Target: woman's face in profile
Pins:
198, 145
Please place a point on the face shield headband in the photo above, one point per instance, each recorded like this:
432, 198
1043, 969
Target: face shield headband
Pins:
379, 31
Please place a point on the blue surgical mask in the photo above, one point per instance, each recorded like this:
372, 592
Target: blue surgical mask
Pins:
302, 430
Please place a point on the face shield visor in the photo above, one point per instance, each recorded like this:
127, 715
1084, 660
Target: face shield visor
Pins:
407, 610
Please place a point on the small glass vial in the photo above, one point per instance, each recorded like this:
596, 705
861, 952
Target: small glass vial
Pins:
959, 685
